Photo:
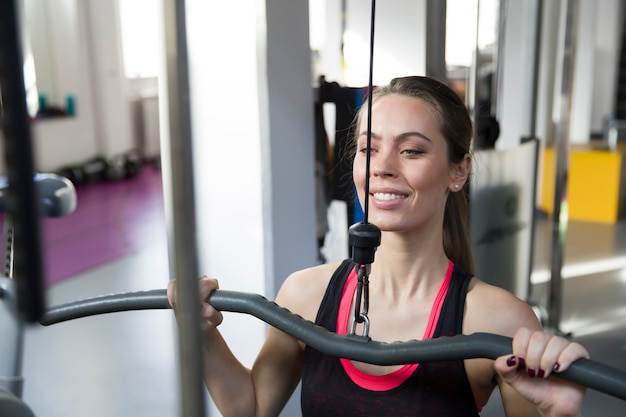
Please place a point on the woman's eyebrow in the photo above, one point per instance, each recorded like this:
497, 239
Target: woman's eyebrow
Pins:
407, 135
401, 136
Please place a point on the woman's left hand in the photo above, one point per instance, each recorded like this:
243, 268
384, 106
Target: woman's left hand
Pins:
537, 355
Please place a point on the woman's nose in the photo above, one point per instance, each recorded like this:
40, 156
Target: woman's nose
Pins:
382, 165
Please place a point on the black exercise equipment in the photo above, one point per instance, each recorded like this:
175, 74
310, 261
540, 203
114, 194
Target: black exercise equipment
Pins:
22, 203
22, 197
586, 372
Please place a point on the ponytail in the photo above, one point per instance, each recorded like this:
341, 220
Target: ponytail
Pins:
456, 236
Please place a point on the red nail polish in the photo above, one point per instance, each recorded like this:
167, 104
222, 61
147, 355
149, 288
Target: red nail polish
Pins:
556, 367
531, 373
521, 363
541, 373
511, 361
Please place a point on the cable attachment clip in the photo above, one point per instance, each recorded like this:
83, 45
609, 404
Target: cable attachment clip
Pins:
364, 238
361, 297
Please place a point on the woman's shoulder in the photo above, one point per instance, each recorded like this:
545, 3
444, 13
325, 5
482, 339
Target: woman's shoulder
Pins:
303, 290
317, 272
495, 310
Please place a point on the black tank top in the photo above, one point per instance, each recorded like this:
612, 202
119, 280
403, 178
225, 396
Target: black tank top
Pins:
432, 389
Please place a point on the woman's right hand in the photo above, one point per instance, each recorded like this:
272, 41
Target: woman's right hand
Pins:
211, 318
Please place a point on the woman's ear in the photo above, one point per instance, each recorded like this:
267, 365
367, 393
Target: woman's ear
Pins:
459, 173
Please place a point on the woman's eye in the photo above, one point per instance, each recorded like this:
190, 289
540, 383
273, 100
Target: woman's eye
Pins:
364, 150
412, 152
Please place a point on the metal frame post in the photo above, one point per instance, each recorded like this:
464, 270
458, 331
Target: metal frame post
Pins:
561, 120
15, 123
180, 202
436, 39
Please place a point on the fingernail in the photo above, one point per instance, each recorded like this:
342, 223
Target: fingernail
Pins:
556, 367
521, 363
531, 373
541, 373
511, 361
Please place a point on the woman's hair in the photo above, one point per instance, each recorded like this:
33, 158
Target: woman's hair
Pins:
456, 127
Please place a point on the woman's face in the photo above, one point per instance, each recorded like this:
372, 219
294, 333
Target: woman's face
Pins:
409, 171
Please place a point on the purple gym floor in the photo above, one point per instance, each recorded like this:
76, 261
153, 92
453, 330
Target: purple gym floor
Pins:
111, 220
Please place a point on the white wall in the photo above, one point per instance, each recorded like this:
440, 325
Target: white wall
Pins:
78, 52
399, 47
605, 58
52, 29
92, 69
112, 110
68, 140
252, 128
227, 149
582, 96
515, 102
287, 131
329, 28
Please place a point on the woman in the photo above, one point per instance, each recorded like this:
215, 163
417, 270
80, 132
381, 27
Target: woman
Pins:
420, 286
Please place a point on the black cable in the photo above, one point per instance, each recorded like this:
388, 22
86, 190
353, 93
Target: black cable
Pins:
365, 237
370, 87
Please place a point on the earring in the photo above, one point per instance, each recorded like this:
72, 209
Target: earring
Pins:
456, 186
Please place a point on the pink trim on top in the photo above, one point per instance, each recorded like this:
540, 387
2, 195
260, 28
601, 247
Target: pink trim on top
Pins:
394, 379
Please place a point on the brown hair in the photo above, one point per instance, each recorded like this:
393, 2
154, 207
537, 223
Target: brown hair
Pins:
456, 127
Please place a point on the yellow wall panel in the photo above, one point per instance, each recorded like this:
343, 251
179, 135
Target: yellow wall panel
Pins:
593, 185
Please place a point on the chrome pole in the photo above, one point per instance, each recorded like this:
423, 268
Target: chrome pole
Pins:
178, 184
473, 84
436, 39
532, 134
538, 24
561, 120
498, 68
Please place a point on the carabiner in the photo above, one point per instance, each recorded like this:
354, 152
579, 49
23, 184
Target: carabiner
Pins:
366, 326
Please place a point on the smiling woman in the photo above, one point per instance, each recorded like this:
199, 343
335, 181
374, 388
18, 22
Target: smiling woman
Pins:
421, 286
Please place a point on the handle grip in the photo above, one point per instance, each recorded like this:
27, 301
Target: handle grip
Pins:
585, 372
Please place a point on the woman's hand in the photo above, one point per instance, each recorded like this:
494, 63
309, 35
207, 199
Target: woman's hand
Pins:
537, 355
211, 318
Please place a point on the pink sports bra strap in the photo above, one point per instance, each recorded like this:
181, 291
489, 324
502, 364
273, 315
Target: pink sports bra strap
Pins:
394, 379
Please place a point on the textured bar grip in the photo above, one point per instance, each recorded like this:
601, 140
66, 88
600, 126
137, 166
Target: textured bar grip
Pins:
586, 372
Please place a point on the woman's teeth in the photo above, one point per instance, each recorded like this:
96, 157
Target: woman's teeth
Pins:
388, 196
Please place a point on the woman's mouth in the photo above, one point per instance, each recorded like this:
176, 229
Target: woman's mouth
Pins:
389, 196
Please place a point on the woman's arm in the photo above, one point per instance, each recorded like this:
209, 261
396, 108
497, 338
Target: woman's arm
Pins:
260, 391
265, 389
526, 387
235, 389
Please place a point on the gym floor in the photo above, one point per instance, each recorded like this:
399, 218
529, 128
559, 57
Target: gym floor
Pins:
125, 364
